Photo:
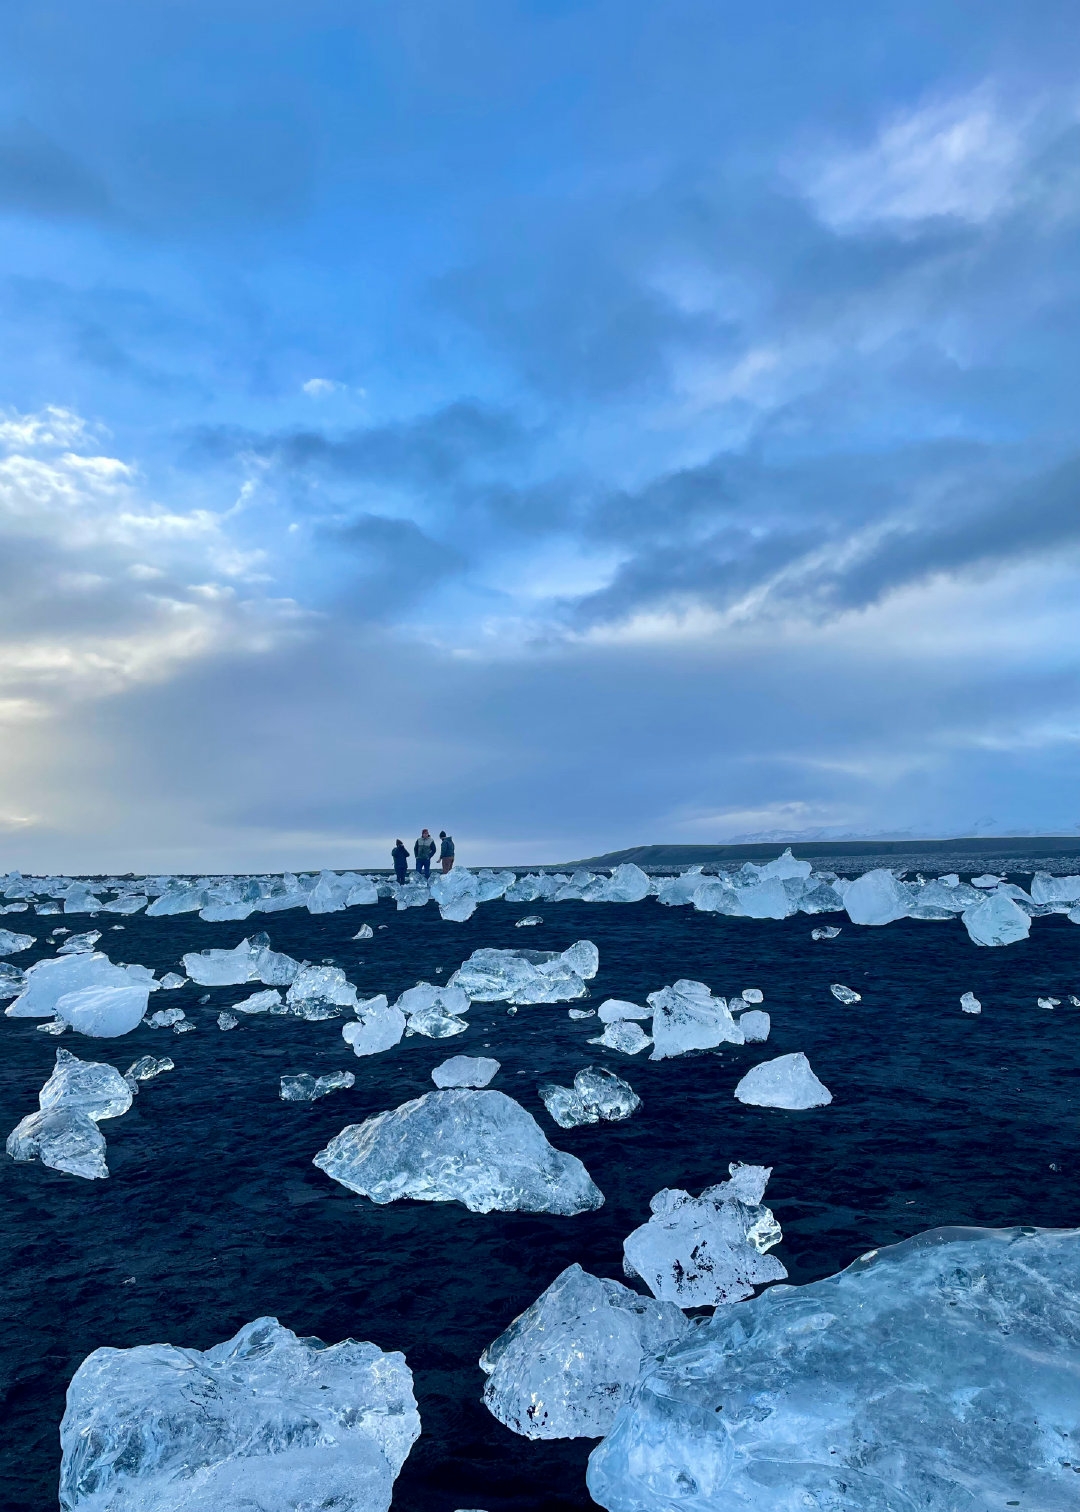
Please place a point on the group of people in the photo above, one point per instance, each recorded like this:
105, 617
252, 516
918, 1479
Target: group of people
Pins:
423, 853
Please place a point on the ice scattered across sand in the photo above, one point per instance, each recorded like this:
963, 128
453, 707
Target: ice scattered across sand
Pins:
686, 1017
786, 1082
613, 1010
564, 1366
997, 920
378, 1026
710, 1250
49, 980
597, 1095
970, 1003
623, 1035
434, 1011
64, 1133
845, 995
265, 1421
528, 976
76, 943
12, 943
825, 932
305, 1088
941, 1373
146, 1067
465, 1071
755, 1026
481, 1149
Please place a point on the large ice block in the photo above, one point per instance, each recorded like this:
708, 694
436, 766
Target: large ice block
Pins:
786, 1082
997, 920
528, 976
686, 1017
64, 1133
49, 980
465, 1071
378, 1026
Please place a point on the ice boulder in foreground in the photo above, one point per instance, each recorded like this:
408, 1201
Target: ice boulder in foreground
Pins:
877, 897
48, 981
528, 976
596, 1094
562, 1369
265, 1421
378, 1026
786, 1082
64, 1133
688, 1017
942, 1374
997, 920
481, 1149
708, 1250
465, 1071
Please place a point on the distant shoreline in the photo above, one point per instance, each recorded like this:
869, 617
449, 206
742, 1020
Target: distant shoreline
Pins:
987, 848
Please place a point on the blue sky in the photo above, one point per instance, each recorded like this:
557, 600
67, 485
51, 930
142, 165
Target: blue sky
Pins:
570, 424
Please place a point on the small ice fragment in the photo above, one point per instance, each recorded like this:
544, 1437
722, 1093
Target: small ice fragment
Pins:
711, 1250
481, 1149
755, 1026
825, 932
227, 1020
614, 1009
165, 1018
625, 1036
12, 943
752, 995
378, 1026
259, 1002
986, 880
596, 1094
77, 943
1074, 1000
970, 1003
172, 979
365, 932
844, 994
465, 1071
581, 1013
1049, 1002
147, 1066
529, 921
54, 1026
183, 1026
305, 1088
786, 1082
511, 1010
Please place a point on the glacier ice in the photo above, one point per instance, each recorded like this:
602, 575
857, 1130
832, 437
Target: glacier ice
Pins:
845, 995
755, 1026
627, 884
79, 942
825, 932
481, 1149
12, 943
49, 980
465, 1071
623, 1035
752, 995
786, 1082
166, 1018
1049, 1002
226, 1020
529, 921
148, 1066
320, 992
997, 920
378, 1026
942, 1373
528, 976
250, 961
104, 1012
1048, 889
970, 1003
686, 1017
710, 1250
581, 1013
365, 932
261, 1002
266, 1421
877, 897
457, 893
597, 1094
612, 1010
12, 980
305, 1088
433, 1011
172, 980
565, 1365
64, 1133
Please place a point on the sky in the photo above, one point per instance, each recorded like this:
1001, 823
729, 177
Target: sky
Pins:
570, 423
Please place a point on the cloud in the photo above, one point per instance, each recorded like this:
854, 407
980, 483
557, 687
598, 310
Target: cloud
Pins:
318, 388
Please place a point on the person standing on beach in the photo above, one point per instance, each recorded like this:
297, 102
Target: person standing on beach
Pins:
446, 851
423, 850
400, 857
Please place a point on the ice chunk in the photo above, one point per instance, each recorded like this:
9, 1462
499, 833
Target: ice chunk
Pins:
104, 1012
79, 942
227, 1020
378, 1026
563, 1368
222, 968
844, 994
305, 1088
941, 1373
365, 932
709, 1250
755, 1026
266, 1420
825, 932
80, 899
581, 1013
877, 897
456, 892
432, 1011
89, 1087
165, 1018
64, 1133
613, 1009
412, 894
12, 980
596, 1094
770, 898
465, 1071
49, 980
362, 894
970, 1003
1049, 1002
786, 1082
529, 921
997, 920
786, 867
172, 980
146, 1067
260, 1002
752, 995
686, 1017
482, 1149
627, 884
623, 1035
528, 976
986, 880
320, 992
12, 943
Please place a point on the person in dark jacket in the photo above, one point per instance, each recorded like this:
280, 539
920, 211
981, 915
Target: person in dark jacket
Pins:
446, 851
400, 857
423, 850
